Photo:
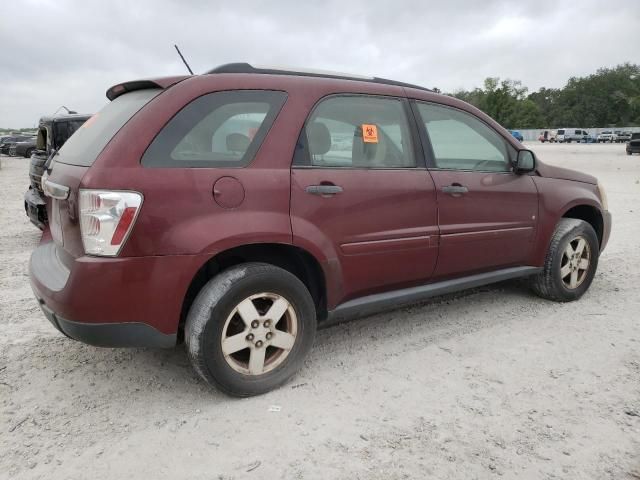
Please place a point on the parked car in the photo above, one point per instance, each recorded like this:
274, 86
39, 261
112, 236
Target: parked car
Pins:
517, 135
53, 132
171, 217
568, 135
547, 136
4, 144
7, 142
633, 145
23, 148
606, 136
623, 137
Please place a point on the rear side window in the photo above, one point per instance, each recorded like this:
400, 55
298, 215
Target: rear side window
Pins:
221, 129
85, 145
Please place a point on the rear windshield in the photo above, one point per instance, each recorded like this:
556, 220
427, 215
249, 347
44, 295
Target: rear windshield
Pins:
84, 146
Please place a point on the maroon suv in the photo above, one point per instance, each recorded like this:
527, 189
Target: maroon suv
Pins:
242, 208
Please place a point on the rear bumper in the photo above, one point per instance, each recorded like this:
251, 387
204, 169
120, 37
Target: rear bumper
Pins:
112, 302
109, 334
633, 148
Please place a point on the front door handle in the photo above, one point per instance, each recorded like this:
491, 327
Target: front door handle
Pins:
323, 189
455, 189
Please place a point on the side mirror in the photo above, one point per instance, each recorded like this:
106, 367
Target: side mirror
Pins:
526, 162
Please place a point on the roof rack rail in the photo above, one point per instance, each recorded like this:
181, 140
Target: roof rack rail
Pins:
243, 67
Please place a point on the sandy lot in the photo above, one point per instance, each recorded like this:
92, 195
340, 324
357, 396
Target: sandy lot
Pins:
494, 382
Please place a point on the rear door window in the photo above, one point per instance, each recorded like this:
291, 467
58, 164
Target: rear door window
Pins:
89, 140
357, 131
220, 129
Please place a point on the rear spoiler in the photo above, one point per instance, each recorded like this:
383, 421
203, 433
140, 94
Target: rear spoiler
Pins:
164, 82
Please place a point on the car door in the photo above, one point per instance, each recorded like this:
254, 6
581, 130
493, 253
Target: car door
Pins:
361, 195
487, 214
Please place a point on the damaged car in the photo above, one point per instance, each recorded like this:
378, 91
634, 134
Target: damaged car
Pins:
53, 132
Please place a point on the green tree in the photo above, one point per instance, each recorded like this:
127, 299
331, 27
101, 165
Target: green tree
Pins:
609, 97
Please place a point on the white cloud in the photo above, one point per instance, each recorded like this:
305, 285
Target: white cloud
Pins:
70, 52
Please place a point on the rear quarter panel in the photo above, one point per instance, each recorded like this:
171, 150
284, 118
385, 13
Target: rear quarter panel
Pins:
179, 214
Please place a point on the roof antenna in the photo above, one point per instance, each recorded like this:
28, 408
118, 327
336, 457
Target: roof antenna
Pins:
185, 62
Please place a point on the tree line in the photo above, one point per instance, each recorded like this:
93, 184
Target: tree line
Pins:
12, 130
608, 98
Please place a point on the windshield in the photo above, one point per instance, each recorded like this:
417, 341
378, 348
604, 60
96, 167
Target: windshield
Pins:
63, 130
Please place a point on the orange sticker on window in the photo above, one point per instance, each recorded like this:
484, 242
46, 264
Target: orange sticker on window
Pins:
369, 133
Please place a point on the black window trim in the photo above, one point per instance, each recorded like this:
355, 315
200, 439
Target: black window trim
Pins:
254, 149
302, 158
429, 154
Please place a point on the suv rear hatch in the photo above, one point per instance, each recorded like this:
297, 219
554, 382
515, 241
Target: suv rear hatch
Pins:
63, 180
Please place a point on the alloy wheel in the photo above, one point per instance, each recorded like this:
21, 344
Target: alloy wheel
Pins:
259, 333
576, 260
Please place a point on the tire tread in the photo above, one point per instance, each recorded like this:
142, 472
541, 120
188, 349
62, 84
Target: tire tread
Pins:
544, 284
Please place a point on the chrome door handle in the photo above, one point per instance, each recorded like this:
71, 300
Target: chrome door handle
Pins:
455, 189
323, 189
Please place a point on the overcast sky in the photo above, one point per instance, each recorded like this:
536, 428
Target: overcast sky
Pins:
69, 52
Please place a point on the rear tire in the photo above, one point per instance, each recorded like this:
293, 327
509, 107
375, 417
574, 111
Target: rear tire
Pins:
231, 335
28, 153
570, 264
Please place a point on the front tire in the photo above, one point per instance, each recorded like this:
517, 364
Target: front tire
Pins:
250, 328
570, 264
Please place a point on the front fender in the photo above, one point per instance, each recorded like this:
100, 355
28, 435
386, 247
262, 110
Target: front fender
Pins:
557, 197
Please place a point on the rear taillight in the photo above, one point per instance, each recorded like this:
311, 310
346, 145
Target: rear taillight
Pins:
106, 219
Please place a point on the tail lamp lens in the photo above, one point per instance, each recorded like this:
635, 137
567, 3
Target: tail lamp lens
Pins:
106, 219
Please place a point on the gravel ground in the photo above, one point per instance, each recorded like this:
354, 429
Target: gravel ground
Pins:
494, 382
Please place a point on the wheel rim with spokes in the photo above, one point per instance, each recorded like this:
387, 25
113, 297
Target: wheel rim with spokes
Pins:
576, 260
259, 333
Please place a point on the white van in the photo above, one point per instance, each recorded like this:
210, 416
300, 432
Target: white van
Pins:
571, 135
